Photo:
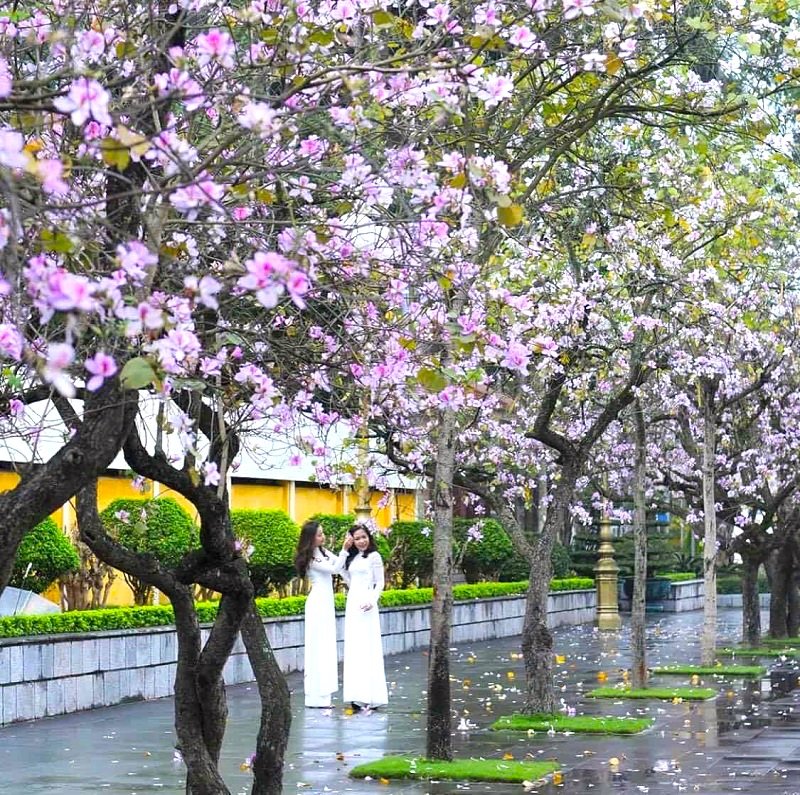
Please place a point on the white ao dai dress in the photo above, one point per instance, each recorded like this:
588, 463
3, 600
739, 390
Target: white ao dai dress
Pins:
364, 677
321, 670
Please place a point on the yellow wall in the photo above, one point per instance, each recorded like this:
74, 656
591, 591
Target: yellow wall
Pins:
299, 500
258, 496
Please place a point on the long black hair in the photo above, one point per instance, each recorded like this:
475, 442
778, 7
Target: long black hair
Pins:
352, 552
306, 546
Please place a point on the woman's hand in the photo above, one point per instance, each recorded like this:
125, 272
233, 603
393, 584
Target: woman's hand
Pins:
366, 607
348, 542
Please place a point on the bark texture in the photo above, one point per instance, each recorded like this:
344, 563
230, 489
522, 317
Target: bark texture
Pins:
439, 734
108, 416
638, 603
709, 638
276, 715
751, 608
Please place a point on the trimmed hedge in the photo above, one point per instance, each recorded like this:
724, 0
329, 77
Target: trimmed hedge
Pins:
48, 552
274, 537
732, 583
679, 576
158, 526
162, 615
411, 545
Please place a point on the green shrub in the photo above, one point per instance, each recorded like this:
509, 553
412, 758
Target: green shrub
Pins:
678, 576
411, 559
491, 556
49, 554
159, 526
162, 615
561, 560
273, 536
732, 583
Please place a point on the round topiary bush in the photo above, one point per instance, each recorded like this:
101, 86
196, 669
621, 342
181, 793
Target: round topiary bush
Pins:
159, 526
487, 553
411, 548
48, 552
273, 537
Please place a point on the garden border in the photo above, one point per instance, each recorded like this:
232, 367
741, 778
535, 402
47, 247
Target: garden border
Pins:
58, 674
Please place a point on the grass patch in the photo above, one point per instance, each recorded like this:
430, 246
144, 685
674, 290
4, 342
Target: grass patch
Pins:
713, 670
781, 642
664, 693
732, 651
508, 770
579, 724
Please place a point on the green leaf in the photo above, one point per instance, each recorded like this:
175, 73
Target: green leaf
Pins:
383, 19
137, 373
510, 216
323, 37
432, 380
114, 153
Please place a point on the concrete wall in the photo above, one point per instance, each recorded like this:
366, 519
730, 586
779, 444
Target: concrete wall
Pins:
735, 599
683, 596
58, 674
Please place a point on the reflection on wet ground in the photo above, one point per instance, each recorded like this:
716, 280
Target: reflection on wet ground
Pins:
746, 740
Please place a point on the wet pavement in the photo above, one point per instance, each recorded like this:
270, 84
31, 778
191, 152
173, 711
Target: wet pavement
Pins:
745, 741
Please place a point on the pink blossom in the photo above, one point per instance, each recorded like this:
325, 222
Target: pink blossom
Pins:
265, 271
10, 342
86, 99
298, 284
60, 356
516, 357
190, 198
576, 8
6, 83
68, 292
216, 45
11, 145
206, 289
49, 172
101, 366
210, 474
135, 259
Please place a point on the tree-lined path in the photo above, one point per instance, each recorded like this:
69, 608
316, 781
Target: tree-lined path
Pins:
720, 746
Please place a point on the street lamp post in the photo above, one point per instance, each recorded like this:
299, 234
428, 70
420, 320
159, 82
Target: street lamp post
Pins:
606, 578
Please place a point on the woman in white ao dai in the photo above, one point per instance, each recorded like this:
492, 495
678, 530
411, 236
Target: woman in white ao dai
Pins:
320, 672
364, 677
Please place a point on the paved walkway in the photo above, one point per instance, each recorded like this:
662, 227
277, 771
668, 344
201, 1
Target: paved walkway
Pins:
746, 741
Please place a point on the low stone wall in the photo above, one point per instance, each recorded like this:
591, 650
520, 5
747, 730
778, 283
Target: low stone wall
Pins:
735, 600
59, 674
687, 595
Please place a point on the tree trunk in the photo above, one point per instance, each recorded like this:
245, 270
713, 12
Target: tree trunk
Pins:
192, 714
778, 603
793, 597
640, 551
709, 639
751, 609
108, 416
439, 739
276, 714
537, 640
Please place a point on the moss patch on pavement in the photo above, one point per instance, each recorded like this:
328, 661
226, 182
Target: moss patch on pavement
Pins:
578, 724
508, 770
713, 670
761, 651
663, 693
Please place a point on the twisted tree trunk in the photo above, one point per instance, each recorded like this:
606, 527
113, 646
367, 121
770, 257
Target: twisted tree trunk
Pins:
276, 715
